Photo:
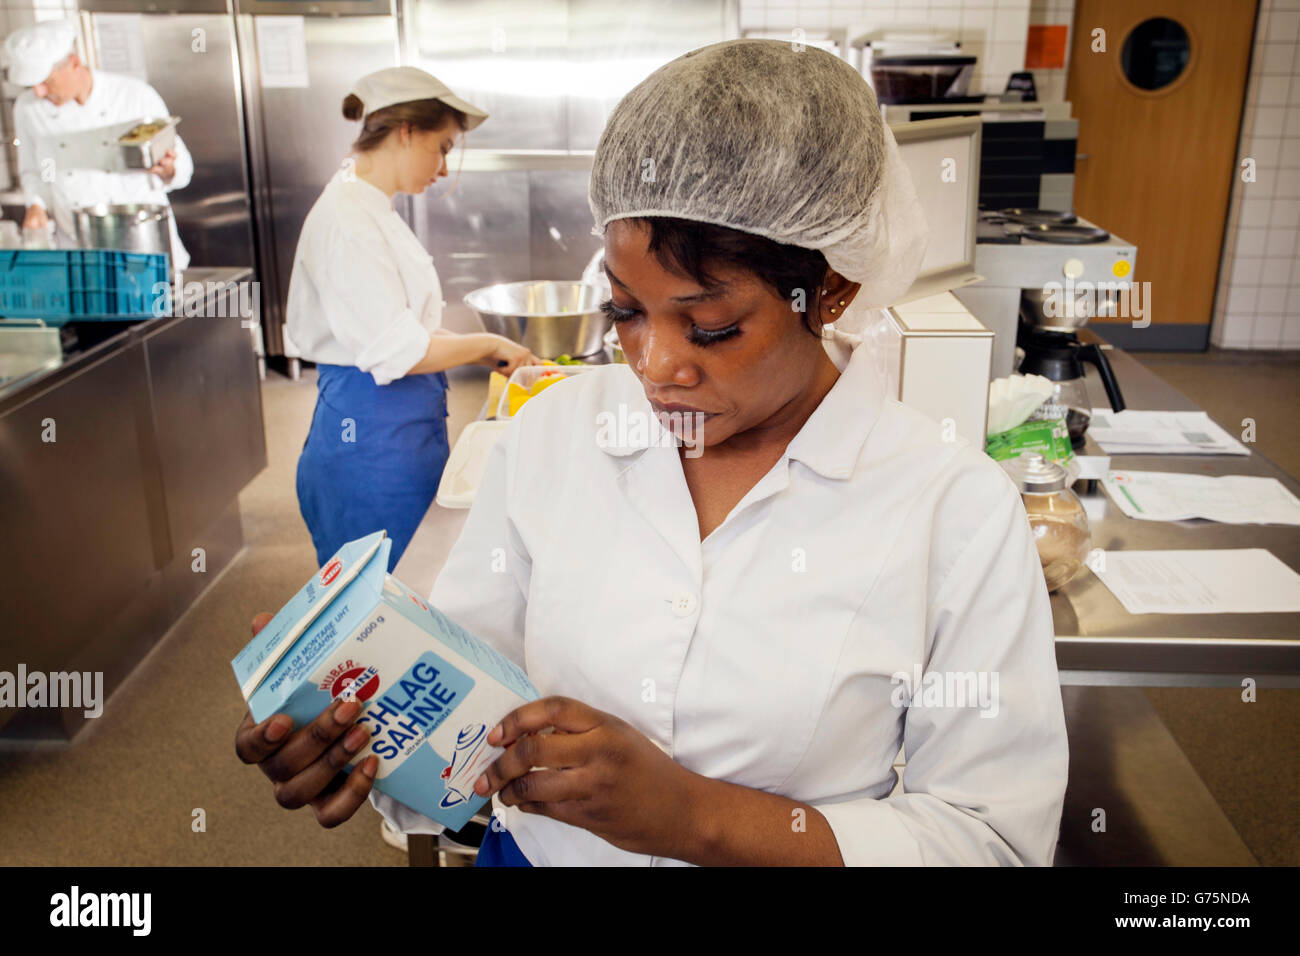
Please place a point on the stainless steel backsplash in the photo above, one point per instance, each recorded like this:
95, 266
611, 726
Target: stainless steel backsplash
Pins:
548, 72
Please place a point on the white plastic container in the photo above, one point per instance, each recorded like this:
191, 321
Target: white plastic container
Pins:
936, 357
467, 462
526, 376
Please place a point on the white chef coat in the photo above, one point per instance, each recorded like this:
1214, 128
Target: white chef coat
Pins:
112, 99
770, 649
363, 291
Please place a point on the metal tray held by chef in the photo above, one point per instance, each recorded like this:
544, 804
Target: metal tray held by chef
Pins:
144, 142
121, 147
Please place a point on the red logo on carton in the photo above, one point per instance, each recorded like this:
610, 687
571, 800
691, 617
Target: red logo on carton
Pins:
331, 571
359, 682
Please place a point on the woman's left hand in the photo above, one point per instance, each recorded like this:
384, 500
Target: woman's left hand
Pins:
600, 773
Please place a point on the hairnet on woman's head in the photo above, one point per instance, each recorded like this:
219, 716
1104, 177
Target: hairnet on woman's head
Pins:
770, 139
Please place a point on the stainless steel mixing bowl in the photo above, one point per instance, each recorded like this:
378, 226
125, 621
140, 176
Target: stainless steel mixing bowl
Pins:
550, 318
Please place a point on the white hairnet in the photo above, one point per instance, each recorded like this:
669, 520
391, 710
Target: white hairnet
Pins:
762, 137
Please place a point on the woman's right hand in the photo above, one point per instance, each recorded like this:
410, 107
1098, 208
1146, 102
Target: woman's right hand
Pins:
508, 356
306, 765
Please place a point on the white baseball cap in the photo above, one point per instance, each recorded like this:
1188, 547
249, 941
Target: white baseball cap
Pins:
405, 84
34, 51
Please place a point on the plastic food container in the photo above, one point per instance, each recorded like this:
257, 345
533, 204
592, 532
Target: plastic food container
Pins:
526, 377
467, 462
1056, 516
58, 285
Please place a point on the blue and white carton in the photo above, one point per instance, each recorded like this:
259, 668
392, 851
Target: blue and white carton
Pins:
430, 690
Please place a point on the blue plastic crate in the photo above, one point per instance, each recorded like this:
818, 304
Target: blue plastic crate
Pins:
62, 285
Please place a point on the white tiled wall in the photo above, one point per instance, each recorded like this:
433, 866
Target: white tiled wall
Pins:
992, 30
1258, 300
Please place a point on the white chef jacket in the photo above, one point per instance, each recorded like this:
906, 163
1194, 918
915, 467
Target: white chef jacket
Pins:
363, 291
771, 648
113, 99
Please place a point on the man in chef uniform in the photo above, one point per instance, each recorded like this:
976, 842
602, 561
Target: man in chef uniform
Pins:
66, 96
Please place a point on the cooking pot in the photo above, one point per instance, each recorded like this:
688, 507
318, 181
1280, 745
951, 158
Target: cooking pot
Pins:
125, 228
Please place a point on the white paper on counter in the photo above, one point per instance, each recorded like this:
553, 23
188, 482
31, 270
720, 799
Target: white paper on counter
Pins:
120, 45
281, 51
1092, 467
1133, 432
1240, 581
1230, 499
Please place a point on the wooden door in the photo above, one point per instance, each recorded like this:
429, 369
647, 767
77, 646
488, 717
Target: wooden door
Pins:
1158, 144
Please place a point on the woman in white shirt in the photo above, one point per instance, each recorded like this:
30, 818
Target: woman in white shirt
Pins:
743, 625
365, 305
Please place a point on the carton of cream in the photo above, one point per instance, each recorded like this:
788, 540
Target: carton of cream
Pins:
430, 690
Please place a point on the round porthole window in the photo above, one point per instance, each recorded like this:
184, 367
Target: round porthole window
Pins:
1155, 53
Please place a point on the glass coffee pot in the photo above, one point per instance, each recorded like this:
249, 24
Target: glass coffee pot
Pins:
1059, 356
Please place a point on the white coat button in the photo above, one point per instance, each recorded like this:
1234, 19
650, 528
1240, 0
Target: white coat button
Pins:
684, 605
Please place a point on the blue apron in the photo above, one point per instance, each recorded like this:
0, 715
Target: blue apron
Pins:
500, 849
373, 458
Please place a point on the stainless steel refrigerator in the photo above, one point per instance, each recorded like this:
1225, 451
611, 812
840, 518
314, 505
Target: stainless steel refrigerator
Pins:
298, 60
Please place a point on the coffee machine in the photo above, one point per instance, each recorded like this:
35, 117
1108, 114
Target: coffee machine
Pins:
1031, 249
1047, 334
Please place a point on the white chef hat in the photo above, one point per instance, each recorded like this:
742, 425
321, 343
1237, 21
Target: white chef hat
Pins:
404, 84
34, 51
767, 138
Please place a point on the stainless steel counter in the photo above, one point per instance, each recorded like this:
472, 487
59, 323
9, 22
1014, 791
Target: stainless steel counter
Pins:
119, 491
1099, 642
197, 287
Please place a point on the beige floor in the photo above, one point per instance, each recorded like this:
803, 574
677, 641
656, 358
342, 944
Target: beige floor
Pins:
126, 790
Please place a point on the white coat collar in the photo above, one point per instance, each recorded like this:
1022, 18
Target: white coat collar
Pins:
359, 191
831, 440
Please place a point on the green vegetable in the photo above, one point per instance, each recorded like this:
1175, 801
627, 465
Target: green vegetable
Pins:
567, 360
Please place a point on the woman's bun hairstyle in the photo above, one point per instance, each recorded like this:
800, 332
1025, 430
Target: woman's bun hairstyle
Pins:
353, 108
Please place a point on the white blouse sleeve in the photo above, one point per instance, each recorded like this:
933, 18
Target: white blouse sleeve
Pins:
981, 786
364, 303
483, 587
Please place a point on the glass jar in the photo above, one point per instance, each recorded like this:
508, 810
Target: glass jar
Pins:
1057, 518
